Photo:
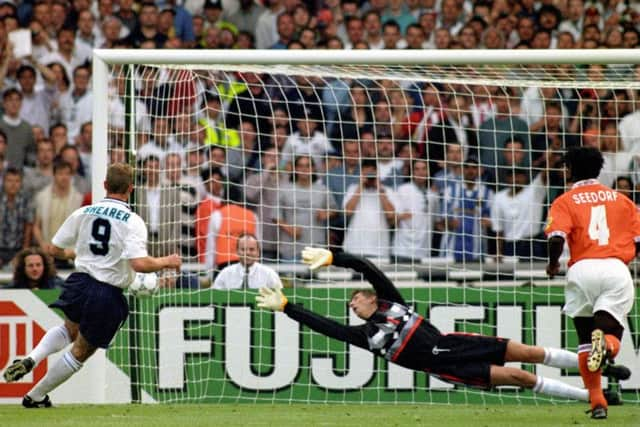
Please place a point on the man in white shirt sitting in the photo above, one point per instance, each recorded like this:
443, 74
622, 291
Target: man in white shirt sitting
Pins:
516, 215
248, 273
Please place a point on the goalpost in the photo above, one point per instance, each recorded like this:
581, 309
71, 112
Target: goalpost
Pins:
468, 256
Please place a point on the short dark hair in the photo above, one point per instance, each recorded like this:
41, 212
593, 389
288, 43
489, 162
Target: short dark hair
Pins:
12, 170
25, 67
207, 173
11, 91
584, 162
369, 163
61, 164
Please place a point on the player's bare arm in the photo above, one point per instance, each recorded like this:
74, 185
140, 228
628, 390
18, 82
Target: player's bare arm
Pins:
556, 243
151, 264
60, 253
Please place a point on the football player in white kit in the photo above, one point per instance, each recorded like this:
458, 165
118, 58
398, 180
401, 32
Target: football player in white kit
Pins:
108, 241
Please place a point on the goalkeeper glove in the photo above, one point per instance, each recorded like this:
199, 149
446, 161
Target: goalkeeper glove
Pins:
316, 257
271, 299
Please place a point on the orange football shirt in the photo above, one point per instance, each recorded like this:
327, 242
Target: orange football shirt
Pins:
595, 221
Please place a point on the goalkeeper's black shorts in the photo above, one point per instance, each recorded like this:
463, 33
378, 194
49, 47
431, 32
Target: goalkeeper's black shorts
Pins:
466, 359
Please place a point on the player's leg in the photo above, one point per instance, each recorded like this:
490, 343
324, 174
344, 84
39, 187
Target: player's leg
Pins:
558, 358
610, 308
70, 363
53, 341
504, 375
592, 380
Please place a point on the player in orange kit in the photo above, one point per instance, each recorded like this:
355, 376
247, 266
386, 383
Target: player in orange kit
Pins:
602, 230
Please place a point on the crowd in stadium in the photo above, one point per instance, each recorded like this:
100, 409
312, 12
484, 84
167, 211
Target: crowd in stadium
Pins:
380, 151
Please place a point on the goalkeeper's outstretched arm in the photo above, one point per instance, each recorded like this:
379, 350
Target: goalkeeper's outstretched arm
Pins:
274, 299
385, 289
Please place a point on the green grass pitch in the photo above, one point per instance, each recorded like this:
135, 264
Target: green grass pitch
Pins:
299, 415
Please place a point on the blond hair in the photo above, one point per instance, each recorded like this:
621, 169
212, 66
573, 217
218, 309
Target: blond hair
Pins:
119, 178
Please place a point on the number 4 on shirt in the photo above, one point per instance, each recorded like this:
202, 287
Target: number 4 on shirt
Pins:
598, 227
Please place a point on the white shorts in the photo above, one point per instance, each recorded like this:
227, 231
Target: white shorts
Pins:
599, 285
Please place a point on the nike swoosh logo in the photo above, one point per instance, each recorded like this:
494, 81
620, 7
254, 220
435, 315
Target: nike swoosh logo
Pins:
437, 350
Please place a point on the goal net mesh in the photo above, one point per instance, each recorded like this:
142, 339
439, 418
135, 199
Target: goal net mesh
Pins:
441, 175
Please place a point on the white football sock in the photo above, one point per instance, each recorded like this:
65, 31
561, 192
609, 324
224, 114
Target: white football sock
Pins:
61, 371
556, 388
559, 358
53, 341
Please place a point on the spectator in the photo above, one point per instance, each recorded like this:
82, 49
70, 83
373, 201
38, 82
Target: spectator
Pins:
251, 104
34, 269
373, 30
415, 37
126, 15
38, 177
526, 29
355, 32
213, 123
442, 38
62, 88
19, 135
83, 143
466, 207
262, 189
354, 117
213, 180
111, 32
340, 178
188, 202
182, 22
286, 31
159, 207
399, 12
305, 208
147, 27
246, 17
163, 141
59, 135
247, 273
54, 203
450, 168
77, 104
68, 54
16, 216
306, 140
624, 185
574, 21
371, 212
70, 154
389, 167
87, 34
244, 158
266, 28
227, 223
418, 209
36, 104
516, 216
451, 17
391, 36
497, 130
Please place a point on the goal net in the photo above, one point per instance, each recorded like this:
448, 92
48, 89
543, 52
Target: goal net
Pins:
439, 171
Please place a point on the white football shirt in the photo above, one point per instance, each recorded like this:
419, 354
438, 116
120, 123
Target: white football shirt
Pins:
260, 275
105, 236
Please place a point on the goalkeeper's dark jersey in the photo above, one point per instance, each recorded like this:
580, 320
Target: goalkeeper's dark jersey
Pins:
394, 332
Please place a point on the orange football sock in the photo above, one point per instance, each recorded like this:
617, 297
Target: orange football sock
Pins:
613, 345
592, 381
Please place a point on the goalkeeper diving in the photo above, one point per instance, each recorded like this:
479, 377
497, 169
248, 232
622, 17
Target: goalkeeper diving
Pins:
394, 331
